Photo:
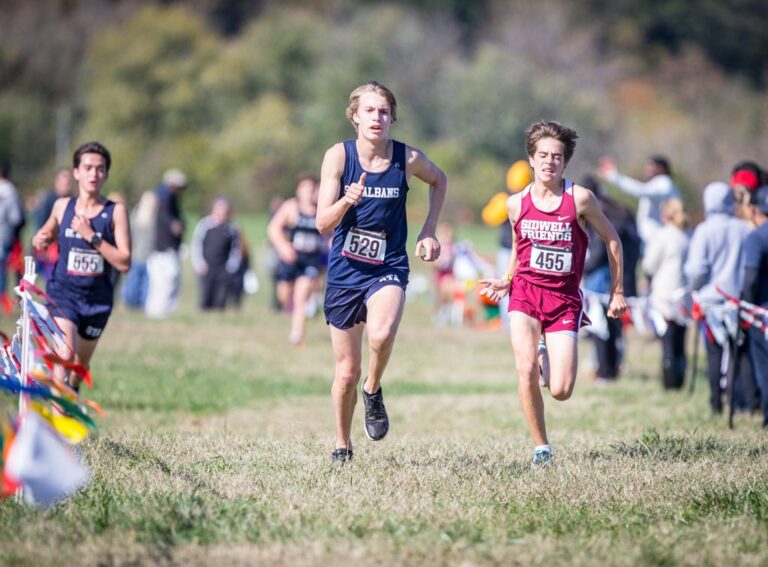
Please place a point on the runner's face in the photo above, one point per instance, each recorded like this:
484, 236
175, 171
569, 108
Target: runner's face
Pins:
91, 173
373, 116
548, 161
306, 193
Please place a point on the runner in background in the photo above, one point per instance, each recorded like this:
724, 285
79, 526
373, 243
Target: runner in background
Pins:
302, 252
94, 239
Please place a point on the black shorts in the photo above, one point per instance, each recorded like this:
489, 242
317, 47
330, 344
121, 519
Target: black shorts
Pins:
89, 318
345, 307
291, 272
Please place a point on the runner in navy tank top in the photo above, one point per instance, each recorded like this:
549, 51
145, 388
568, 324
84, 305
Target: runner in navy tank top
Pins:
302, 250
542, 280
94, 244
363, 189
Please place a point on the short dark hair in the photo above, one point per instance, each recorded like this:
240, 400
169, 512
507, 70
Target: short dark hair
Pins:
754, 168
551, 129
307, 176
91, 148
662, 163
5, 168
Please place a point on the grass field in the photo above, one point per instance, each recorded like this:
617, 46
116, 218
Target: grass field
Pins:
216, 451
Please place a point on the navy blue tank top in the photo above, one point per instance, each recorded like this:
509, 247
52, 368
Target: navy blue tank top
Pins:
306, 239
81, 272
358, 259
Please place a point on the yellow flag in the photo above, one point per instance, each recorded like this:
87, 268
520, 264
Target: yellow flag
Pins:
70, 428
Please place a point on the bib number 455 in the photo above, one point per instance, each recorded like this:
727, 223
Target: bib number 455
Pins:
551, 259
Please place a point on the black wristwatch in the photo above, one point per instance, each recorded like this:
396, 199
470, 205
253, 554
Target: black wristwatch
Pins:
95, 240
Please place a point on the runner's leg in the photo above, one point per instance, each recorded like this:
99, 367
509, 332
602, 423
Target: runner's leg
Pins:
385, 309
524, 332
302, 288
347, 348
563, 361
67, 352
83, 352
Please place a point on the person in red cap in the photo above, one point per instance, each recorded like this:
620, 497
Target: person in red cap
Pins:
746, 177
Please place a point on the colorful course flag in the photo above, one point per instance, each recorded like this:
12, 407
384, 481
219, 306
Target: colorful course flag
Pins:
42, 463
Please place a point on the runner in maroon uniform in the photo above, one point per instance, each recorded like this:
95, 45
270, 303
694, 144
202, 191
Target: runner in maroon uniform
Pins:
549, 246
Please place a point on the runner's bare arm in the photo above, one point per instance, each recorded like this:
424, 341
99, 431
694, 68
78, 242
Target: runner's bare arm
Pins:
46, 235
588, 207
497, 288
277, 228
427, 245
330, 207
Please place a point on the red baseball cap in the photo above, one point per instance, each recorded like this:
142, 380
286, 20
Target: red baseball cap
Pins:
745, 178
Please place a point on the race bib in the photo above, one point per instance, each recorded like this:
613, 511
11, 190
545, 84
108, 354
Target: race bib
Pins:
365, 246
551, 259
82, 262
306, 242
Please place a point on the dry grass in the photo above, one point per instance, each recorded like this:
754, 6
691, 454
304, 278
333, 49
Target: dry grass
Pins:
217, 443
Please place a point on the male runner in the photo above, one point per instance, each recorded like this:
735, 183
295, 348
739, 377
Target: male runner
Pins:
302, 251
549, 247
363, 188
94, 241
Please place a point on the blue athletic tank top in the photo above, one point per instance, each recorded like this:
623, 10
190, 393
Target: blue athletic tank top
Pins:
379, 216
307, 240
81, 272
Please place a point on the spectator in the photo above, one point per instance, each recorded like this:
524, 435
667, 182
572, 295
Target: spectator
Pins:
11, 218
242, 279
445, 282
215, 254
663, 265
715, 258
746, 177
62, 187
650, 193
164, 264
143, 224
519, 176
755, 291
597, 277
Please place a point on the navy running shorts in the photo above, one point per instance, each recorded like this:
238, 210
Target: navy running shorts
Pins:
291, 272
345, 307
90, 319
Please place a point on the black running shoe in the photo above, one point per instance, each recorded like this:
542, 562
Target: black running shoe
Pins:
376, 420
341, 456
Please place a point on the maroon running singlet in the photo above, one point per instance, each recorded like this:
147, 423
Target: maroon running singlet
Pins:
551, 249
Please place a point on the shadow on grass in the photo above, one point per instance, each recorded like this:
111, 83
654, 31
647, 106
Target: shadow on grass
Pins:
654, 445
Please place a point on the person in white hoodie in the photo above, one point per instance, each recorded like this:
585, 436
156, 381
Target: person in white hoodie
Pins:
663, 265
715, 258
650, 193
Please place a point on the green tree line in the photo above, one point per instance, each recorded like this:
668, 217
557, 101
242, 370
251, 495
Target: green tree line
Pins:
243, 95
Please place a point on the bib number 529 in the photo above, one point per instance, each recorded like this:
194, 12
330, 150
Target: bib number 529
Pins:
365, 246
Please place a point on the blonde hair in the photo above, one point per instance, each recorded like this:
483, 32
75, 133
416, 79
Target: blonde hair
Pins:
673, 212
370, 87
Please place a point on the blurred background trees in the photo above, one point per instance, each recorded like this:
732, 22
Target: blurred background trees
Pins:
243, 95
